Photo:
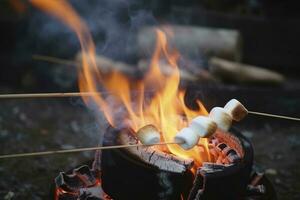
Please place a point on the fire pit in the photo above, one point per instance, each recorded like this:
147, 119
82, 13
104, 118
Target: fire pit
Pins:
148, 173
163, 176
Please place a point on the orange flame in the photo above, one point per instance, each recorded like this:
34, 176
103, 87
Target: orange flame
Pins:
165, 108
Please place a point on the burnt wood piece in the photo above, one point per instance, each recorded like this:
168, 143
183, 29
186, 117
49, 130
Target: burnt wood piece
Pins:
260, 187
82, 183
152, 156
227, 181
142, 173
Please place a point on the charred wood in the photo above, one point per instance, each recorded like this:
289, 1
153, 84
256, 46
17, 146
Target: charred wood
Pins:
214, 181
143, 172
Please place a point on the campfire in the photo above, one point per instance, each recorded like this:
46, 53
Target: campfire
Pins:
173, 151
152, 173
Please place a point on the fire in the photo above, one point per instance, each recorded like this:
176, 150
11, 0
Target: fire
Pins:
163, 106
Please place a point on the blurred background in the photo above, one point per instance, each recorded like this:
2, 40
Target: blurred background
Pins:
247, 49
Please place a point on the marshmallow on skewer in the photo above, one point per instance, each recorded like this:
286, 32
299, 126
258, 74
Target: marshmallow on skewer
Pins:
221, 117
236, 110
187, 138
203, 126
148, 135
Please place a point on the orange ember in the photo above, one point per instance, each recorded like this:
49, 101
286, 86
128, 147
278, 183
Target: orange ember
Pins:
164, 108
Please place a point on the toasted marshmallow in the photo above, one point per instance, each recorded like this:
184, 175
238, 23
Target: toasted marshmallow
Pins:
221, 117
187, 138
148, 135
236, 110
203, 126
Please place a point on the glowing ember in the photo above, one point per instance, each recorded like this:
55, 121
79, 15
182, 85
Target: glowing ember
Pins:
164, 108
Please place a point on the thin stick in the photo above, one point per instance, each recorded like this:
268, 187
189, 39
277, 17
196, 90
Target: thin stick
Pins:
42, 153
275, 116
47, 95
54, 95
55, 60
82, 94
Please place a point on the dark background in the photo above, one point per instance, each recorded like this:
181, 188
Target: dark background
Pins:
269, 29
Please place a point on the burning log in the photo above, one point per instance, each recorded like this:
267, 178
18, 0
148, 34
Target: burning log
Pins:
241, 73
229, 181
162, 172
161, 160
195, 41
146, 172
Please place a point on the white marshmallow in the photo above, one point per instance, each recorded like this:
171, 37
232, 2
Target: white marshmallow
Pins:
221, 117
148, 135
203, 126
187, 138
236, 110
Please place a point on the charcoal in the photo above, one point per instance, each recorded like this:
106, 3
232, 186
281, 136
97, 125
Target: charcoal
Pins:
218, 181
81, 184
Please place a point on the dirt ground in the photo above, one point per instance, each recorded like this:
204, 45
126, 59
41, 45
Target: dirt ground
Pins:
38, 125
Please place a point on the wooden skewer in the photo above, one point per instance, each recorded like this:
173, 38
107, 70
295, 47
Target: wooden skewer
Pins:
275, 116
55, 60
82, 94
42, 153
47, 95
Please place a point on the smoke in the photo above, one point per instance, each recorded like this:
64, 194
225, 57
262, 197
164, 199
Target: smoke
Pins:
113, 24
